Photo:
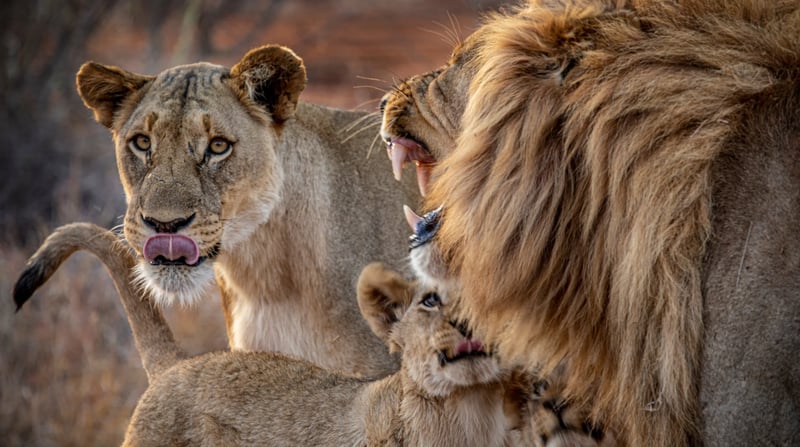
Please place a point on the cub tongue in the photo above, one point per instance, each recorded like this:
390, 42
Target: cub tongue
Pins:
172, 247
469, 346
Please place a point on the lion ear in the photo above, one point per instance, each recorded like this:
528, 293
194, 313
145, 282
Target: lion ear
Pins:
103, 89
383, 297
272, 76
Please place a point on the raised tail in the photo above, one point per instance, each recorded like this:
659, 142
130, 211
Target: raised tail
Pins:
151, 334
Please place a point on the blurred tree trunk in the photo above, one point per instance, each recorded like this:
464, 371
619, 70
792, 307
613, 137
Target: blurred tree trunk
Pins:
41, 39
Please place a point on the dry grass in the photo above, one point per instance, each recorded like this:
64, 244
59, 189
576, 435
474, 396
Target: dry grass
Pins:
70, 374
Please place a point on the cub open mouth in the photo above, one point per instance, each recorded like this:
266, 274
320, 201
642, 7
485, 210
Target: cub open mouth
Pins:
467, 348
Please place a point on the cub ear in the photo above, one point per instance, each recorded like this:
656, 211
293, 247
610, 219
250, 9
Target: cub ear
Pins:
103, 89
383, 297
272, 76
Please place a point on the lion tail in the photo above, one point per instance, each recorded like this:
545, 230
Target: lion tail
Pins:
152, 336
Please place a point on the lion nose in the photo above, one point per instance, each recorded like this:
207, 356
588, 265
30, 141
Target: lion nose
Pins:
167, 227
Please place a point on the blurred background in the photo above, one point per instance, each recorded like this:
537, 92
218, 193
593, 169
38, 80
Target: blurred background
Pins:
69, 373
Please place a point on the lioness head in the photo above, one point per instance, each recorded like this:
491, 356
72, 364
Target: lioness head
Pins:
195, 149
439, 354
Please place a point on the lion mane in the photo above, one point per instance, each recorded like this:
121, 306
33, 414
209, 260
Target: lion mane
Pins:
578, 203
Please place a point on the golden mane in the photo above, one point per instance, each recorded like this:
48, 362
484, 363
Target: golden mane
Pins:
578, 200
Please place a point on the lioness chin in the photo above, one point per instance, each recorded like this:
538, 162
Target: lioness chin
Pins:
449, 390
227, 176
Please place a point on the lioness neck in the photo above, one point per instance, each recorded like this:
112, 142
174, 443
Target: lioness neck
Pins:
285, 289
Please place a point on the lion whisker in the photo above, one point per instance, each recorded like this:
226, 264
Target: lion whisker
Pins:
448, 34
367, 78
373, 87
362, 104
360, 121
362, 129
372, 144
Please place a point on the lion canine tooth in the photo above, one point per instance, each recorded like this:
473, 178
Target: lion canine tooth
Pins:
398, 153
423, 177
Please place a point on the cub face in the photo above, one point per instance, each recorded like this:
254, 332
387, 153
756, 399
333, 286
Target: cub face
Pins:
439, 353
195, 150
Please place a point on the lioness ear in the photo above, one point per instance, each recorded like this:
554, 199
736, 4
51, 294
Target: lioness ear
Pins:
383, 297
272, 76
103, 88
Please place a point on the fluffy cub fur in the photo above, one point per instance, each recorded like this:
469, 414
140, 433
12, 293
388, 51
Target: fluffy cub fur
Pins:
228, 176
449, 390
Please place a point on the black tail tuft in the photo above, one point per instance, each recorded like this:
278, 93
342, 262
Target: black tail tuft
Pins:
28, 282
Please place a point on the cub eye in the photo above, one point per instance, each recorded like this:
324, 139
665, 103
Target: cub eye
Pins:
219, 146
140, 143
431, 299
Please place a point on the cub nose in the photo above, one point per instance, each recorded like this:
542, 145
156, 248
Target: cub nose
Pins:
167, 227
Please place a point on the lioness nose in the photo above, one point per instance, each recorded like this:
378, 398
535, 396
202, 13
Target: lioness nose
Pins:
167, 227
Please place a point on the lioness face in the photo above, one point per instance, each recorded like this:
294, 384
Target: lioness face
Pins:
422, 114
195, 149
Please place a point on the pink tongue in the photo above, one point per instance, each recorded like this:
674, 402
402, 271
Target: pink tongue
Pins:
172, 247
468, 346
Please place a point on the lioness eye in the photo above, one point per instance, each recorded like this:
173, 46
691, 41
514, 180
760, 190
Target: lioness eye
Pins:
430, 299
219, 145
140, 142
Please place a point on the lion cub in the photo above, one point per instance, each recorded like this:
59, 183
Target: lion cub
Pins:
449, 390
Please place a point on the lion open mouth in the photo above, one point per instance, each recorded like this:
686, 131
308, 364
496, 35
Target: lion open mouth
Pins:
403, 150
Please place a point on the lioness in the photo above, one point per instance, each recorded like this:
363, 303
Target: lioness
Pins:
227, 175
449, 390
620, 180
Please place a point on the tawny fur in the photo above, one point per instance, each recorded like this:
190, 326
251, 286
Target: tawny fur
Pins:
546, 417
611, 161
275, 216
251, 398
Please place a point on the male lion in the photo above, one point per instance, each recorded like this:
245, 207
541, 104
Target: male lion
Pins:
223, 166
449, 391
621, 182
